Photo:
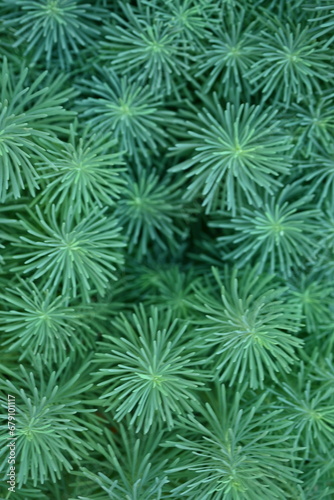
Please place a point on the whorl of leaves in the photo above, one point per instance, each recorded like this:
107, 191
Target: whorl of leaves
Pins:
251, 326
83, 172
126, 111
49, 425
229, 452
281, 235
151, 212
76, 257
149, 368
29, 116
49, 29
235, 151
37, 322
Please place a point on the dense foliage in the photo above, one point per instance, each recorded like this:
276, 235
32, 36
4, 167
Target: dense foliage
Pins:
167, 249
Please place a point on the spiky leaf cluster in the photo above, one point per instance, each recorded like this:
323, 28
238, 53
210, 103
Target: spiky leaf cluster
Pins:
129, 111
140, 43
76, 257
27, 125
151, 212
229, 55
280, 236
137, 464
42, 323
319, 173
314, 294
223, 462
234, 151
169, 287
292, 65
83, 172
48, 424
49, 29
143, 144
313, 125
250, 325
149, 368
186, 17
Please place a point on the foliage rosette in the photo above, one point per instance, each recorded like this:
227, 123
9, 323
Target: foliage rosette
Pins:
292, 65
30, 115
236, 153
151, 212
50, 421
281, 235
53, 30
309, 411
313, 121
229, 56
250, 325
83, 172
127, 111
140, 44
150, 368
76, 257
137, 463
38, 322
227, 457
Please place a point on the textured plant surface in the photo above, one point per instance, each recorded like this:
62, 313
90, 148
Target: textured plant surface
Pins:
281, 234
234, 150
50, 427
70, 255
167, 249
53, 29
248, 327
83, 172
150, 370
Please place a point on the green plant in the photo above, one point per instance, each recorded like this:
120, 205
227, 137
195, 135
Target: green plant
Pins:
167, 249
151, 212
250, 325
281, 235
9, 224
132, 112
292, 65
72, 256
188, 18
49, 421
310, 414
83, 172
53, 29
137, 466
315, 296
145, 46
149, 368
325, 262
229, 56
314, 123
226, 456
237, 150
28, 117
324, 21
38, 322
169, 287
319, 173
29, 492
